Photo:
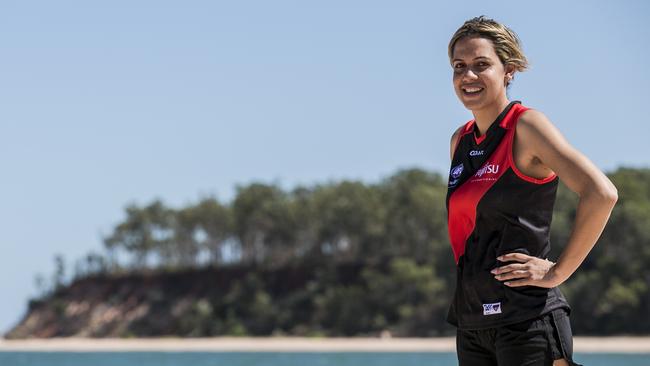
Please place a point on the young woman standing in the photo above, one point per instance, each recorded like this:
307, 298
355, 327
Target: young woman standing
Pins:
506, 165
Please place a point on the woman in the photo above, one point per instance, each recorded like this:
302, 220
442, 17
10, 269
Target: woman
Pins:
506, 164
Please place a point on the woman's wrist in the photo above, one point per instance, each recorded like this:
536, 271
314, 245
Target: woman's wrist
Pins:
556, 275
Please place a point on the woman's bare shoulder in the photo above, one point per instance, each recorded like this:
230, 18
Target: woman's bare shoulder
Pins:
541, 135
534, 118
547, 143
454, 140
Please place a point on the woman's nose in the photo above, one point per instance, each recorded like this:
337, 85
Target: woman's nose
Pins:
469, 74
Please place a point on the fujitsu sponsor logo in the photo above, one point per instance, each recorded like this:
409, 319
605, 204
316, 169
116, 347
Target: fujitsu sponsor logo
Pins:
487, 169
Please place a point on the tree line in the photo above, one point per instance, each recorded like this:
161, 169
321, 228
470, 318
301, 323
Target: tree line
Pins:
397, 224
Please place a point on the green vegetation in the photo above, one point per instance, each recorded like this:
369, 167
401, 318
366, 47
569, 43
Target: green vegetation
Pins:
348, 258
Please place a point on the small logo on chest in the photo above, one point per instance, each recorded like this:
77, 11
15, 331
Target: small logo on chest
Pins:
490, 309
455, 174
476, 152
457, 171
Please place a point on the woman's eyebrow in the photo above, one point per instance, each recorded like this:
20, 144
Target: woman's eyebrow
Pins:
475, 58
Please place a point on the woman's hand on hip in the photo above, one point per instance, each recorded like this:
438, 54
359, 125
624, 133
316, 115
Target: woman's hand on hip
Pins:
528, 271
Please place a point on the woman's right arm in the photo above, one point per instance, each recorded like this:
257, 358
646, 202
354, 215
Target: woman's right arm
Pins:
454, 140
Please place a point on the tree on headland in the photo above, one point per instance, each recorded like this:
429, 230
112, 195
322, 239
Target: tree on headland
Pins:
348, 258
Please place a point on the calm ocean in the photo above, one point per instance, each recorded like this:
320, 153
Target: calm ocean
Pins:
273, 359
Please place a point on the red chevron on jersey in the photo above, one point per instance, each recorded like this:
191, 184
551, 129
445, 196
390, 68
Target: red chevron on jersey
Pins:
464, 200
495, 209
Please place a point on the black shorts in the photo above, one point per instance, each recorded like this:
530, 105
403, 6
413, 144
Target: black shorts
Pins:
534, 342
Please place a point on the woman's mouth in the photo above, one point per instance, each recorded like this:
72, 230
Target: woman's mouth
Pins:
471, 91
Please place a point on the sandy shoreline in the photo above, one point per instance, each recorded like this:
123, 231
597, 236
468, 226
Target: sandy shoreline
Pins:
294, 344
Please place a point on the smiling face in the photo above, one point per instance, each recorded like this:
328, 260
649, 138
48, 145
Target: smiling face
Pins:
479, 76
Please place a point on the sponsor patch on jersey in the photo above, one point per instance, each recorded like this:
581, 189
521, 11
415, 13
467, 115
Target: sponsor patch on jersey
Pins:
490, 309
455, 174
487, 169
457, 171
476, 152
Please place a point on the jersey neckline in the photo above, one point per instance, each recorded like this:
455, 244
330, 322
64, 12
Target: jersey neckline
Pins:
479, 140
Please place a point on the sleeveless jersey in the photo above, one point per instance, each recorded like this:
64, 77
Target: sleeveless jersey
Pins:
494, 209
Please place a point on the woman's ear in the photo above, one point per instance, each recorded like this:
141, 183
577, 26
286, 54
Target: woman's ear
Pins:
510, 73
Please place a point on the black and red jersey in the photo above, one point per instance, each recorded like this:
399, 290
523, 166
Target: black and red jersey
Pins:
494, 209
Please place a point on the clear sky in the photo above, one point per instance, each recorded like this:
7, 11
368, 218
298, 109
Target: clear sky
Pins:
107, 103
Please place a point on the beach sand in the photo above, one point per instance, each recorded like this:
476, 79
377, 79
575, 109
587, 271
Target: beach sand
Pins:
294, 344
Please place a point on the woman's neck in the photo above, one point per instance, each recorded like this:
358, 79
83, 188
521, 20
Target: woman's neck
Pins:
485, 117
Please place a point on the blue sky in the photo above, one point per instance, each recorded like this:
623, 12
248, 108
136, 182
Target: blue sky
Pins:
103, 104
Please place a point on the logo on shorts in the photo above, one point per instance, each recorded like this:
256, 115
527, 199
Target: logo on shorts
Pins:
489, 309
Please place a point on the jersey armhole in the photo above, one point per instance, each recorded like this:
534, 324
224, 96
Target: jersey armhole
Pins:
462, 131
511, 160
456, 147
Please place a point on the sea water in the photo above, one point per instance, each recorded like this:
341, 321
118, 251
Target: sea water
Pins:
275, 359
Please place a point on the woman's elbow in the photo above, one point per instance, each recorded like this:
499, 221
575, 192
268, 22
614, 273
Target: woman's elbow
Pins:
613, 195
600, 190
608, 192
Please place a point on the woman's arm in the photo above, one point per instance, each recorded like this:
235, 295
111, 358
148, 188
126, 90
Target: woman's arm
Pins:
597, 199
454, 140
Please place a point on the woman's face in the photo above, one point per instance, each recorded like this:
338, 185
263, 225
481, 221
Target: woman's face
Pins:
479, 76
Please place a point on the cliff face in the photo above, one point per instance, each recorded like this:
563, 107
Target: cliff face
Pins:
190, 303
306, 299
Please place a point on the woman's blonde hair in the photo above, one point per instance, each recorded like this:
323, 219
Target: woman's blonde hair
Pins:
506, 43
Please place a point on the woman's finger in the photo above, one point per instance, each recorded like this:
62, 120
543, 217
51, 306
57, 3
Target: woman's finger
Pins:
512, 275
519, 257
507, 268
518, 283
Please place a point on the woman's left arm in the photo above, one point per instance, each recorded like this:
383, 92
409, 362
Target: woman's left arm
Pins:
597, 199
